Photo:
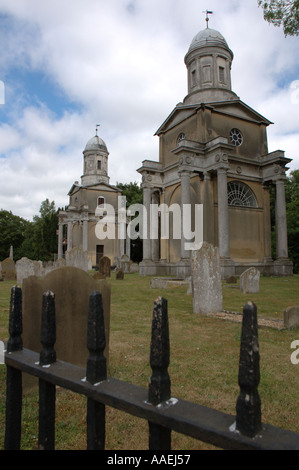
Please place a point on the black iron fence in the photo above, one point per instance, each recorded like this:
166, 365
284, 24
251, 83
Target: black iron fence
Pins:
164, 413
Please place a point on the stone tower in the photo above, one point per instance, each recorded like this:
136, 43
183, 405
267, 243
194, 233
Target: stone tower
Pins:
95, 162
213, 152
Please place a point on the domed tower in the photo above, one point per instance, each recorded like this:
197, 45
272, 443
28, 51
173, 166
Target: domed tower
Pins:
213, 152
208, 62
95, 168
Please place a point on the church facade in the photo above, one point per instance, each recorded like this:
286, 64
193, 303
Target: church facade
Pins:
92, 202
213, 151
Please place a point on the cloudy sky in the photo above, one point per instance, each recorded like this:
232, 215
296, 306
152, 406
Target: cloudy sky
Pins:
66, 66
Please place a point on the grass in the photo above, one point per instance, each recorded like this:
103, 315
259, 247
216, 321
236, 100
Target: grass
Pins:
203, 361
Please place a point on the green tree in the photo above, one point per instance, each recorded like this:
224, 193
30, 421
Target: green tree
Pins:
282, 12
40, 239
12, 232
45, 231
134, 195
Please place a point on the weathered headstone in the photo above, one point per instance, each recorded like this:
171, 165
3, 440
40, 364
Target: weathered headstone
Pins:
27, 267
8, 269
250, 281
125, 263
291, 317
77, 258
119, 274
105, 266
206, 280
72, 288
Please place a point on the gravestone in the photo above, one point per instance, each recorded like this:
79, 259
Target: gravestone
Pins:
77, 258
206, 279
105, 266
8, 270
250, 281
27, 267
72, 288
291, 317
119, 274
125, 263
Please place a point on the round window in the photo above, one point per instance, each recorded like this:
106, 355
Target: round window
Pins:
236, 137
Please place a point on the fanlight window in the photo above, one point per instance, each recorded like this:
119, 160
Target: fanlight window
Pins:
239, 194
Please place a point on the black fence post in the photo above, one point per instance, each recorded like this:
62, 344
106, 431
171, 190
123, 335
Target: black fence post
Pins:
248, 408
14, 376
47, 390
159, 384
96, 371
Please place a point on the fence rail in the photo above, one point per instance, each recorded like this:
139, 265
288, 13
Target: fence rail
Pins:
155, 404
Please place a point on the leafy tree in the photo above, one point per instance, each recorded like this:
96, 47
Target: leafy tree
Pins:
44, 238
12, 232
132, 192
282, 12
134, 195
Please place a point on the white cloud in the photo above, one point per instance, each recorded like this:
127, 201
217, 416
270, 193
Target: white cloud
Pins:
121, 63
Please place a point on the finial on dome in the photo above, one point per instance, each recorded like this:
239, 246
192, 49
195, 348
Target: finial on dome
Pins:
207, 12
97, 125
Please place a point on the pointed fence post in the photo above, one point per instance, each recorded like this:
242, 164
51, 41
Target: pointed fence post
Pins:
159, 385
14, 376
47, 390
248, 408
96, 371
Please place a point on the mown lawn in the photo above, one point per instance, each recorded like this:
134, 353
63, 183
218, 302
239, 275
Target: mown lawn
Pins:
203, 362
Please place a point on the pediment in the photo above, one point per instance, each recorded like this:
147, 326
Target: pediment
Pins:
93, 187
235, 108
241, 110
177, 116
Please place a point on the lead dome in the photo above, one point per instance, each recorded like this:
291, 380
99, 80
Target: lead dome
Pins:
208, 37
95, 143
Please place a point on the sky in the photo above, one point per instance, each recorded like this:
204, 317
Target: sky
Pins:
66, 66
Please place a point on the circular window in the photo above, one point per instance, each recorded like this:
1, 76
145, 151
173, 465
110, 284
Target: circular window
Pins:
236, 137
239, 194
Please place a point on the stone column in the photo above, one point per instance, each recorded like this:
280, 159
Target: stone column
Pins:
60, 240
208, 210
267, 225
185, 199
281, 220
147, 192
85, 235
155, 242
223, 222
69, 235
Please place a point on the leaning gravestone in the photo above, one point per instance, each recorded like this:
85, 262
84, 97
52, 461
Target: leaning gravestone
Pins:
105, 266
250, 281
72, 288
291, 317
206, 280
8, 269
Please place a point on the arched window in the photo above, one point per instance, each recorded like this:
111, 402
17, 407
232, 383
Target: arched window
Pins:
239, 194
101, 202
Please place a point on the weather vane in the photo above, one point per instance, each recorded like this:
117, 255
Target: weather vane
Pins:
207, 12
97, 125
